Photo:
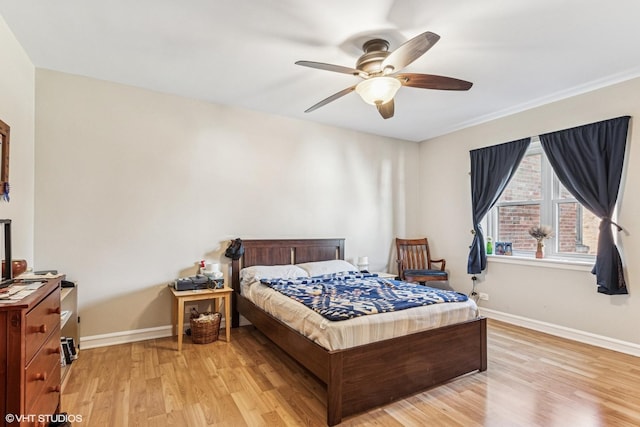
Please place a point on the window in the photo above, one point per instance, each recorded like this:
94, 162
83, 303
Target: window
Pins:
535, 196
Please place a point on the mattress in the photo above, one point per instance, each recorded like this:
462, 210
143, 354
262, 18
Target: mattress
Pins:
360, 330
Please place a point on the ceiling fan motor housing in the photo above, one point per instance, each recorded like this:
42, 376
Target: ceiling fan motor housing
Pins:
375, 51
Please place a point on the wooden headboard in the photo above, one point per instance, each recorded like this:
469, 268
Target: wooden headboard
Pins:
280, 252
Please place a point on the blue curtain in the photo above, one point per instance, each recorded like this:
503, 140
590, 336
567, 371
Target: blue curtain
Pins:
588, 162
491, 170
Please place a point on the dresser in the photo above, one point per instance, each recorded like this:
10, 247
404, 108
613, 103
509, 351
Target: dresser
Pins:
30, 357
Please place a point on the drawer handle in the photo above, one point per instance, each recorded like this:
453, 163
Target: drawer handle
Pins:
55, 389
42, 329
54, 310
41, 376
55, 350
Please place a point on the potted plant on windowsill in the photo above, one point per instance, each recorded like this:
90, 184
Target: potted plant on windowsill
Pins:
540, 232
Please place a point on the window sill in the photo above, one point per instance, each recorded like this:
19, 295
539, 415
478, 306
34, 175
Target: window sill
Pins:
541, 262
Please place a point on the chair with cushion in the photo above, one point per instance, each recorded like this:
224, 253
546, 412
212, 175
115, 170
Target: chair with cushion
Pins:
415, 263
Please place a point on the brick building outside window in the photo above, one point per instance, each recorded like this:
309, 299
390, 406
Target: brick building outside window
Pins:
535, 196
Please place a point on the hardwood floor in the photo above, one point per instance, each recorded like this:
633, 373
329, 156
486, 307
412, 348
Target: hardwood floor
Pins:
532, 379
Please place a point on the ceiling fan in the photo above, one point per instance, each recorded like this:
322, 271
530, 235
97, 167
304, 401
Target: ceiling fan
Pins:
377, 66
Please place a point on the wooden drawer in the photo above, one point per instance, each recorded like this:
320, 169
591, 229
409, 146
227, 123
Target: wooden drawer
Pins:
45, 405
40, 321
42, 375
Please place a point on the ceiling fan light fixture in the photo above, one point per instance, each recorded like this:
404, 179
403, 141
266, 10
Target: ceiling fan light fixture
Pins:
378, 90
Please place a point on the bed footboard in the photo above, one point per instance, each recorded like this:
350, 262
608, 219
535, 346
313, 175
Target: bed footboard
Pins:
376, 374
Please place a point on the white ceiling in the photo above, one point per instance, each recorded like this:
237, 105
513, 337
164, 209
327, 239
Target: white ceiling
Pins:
518, 54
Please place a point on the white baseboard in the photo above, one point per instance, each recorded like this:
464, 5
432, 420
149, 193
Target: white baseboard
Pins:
564, 332
124, 337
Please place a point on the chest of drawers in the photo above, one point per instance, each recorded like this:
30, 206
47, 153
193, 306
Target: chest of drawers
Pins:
30, 356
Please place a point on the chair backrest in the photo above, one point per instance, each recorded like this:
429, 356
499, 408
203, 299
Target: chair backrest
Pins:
413, 254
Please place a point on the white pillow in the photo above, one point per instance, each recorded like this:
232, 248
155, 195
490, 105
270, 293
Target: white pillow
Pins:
320, 268
257, 272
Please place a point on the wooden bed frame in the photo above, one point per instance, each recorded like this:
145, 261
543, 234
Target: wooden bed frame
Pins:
366, 376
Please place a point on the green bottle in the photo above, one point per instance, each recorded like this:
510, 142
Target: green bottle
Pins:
489, 246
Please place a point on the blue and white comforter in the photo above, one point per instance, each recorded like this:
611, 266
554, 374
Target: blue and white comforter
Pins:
342, 296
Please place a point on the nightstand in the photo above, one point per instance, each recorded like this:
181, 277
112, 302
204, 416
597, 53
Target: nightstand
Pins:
182, 297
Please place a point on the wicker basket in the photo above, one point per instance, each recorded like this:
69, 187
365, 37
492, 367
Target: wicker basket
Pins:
205, 331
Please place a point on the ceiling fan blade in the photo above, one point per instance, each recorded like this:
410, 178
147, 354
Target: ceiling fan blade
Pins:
386, 110
409, 52
431, 81
333, 97
331, 67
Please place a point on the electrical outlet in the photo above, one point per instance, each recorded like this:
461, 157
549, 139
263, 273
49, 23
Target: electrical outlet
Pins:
484, 297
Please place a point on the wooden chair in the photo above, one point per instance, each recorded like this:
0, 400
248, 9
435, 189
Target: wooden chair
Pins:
415, 263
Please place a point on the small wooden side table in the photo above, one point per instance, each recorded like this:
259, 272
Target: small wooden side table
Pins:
182, 297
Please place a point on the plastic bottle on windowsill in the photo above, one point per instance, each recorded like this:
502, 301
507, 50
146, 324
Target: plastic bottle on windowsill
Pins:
489, 246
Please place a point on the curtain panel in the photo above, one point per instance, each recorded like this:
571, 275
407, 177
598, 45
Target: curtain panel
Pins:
491, 170
588, 161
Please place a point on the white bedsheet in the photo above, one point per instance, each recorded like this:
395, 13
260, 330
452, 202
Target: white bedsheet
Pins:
360, 330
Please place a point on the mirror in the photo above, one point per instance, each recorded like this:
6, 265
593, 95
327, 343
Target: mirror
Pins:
4, 161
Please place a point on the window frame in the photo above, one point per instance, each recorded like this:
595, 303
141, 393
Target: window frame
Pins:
549, 211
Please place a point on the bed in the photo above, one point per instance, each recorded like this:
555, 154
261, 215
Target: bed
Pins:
365, 376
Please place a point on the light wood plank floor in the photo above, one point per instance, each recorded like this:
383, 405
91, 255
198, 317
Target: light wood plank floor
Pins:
532, 379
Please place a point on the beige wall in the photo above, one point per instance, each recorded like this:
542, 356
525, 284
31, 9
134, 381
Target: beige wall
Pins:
134, 187
561, 297
17, 78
